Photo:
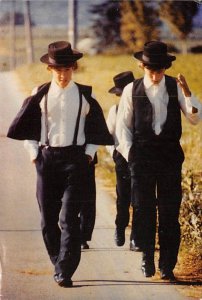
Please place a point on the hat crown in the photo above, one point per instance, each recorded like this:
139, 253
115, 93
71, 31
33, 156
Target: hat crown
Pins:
122, 79
155, 48
61, 54
59, 49
155, 55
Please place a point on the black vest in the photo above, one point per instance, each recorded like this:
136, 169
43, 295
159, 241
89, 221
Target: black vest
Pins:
146, 144
27, 123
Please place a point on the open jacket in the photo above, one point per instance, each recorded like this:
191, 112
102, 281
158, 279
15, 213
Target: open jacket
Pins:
27, 123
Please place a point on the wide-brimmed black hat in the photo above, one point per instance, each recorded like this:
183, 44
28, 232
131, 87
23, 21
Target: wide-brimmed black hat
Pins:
60, 54
155, 54
120, 81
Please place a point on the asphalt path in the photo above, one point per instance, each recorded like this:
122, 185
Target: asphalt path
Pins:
106, 272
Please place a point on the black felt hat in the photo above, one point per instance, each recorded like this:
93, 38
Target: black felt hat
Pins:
120, 81
60, 54
155, 55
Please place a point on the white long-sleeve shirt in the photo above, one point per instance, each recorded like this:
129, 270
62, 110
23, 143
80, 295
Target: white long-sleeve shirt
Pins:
63, 106
111, 124
158, 96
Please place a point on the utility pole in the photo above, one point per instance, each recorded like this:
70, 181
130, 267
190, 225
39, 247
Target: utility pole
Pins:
72, 22
12, 36
28, 33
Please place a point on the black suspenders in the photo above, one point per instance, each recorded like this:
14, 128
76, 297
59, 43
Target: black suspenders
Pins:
46, 119
74, 142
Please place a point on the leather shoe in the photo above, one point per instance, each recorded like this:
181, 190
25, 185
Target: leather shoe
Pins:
148, 269
119, 237
84, 245
62, 280
134, 246
167, 275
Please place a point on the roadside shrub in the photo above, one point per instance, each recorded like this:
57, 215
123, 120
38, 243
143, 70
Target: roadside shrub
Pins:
196, 49
191, 209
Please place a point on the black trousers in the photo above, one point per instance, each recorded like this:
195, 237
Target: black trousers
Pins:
123, 201
61, 174
88, 208
156, 188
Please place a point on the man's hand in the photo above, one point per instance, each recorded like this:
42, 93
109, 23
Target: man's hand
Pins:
183, 84
185, 89
89, 158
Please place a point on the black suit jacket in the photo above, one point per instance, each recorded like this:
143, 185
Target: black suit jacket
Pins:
27, 123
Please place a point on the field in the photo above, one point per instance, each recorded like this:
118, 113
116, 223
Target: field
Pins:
98, 71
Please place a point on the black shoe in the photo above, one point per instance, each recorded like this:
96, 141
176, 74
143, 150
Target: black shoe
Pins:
148, 269
119, 237
167, 275
62, 280
134, 246
84, 245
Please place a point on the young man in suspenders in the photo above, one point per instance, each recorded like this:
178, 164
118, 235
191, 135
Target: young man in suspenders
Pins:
123, 181
62, 125
149, 131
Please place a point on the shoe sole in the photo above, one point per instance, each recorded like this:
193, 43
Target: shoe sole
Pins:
66, 284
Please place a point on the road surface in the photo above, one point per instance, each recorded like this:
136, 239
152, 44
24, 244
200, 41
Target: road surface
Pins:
106, 272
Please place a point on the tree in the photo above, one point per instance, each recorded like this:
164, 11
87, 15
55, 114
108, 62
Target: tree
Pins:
19, 19
106, 23
72, 22
28, 32
139, 23
179, 17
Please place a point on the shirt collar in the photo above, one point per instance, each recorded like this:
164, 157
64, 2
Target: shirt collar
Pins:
56, 89
148, 83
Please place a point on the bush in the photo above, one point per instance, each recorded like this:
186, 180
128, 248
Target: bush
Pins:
196, 49
191, 213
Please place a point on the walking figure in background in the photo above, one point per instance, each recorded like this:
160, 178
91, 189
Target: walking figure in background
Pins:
88, 207
123, 181
149, 131
62, 125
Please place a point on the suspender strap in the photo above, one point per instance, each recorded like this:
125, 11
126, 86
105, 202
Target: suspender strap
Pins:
46, 119
78, 119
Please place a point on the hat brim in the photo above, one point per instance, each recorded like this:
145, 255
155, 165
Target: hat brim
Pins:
68, 60
138, 55
115, 90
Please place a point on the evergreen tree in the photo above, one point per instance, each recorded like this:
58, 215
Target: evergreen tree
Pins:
179, 17
106, 23
139, 23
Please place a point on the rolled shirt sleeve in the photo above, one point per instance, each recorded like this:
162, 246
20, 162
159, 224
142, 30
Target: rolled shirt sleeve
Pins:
32, 148
186, 104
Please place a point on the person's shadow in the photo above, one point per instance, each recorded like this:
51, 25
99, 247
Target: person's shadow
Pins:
100, 282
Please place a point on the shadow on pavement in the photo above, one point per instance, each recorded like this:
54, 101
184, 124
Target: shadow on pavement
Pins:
132, 282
